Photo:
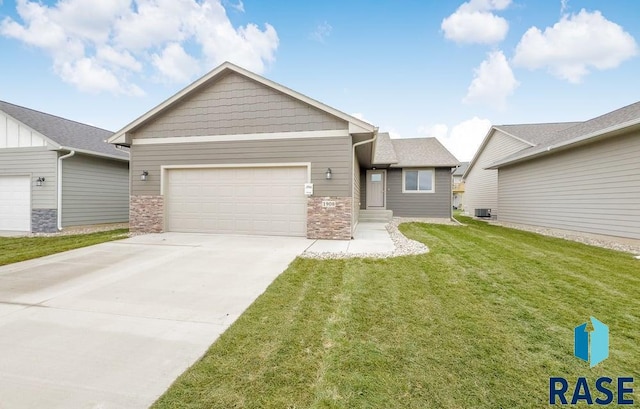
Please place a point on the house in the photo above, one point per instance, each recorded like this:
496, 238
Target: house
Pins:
585, 177
56, 173
481, 183
237, 153
458, 185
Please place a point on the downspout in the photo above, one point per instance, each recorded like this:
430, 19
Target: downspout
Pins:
60, 159
353, 174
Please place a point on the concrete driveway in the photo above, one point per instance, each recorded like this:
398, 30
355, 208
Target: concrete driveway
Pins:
113, 325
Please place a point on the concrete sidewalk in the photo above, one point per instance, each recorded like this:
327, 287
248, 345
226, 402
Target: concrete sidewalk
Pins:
370, 238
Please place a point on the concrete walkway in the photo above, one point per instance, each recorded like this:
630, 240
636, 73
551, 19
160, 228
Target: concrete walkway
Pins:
113, 325
369, 238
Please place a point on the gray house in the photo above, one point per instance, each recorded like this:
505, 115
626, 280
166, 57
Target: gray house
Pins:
56, 173
585, 177
237, 153
581, 176
481, 182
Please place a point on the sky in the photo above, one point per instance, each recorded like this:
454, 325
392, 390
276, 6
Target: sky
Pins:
446, 69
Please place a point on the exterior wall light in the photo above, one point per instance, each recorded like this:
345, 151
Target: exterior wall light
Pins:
144, 175
328, 174
39, 181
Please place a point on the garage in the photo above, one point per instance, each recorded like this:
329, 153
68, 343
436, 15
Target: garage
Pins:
15, 203
237, 200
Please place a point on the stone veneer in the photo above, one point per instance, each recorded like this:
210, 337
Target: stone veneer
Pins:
146, 214
329, 222
44, 220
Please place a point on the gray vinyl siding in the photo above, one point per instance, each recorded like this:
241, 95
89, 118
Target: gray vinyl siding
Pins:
481, 185
593, 188
94, 191
37, 162
235, 104
437, 204
322, 153
356, 192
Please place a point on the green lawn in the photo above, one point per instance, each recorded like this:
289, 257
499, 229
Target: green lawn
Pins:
14, 249
482, 321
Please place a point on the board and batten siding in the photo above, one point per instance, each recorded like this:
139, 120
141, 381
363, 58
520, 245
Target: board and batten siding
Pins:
481, 185
94, 191
436, 204
234, 105
593, 188
322, 153
36, 162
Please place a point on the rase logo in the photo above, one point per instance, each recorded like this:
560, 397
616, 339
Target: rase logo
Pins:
596, 342
592, 347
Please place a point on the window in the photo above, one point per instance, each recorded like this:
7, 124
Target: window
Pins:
376, 177
418, 181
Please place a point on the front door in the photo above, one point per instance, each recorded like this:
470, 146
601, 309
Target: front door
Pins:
375, 189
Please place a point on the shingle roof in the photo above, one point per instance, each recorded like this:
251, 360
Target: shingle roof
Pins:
65, 132
579, 131
459, 171
384, 152
414, 152
535, 133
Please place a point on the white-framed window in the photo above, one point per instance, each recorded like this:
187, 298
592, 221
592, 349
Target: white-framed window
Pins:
418, 180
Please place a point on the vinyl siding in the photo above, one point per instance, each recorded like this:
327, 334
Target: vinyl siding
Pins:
37, 162
94, 190
322, 153
437, 204
235, 104
481, 185
593, 188
356, 193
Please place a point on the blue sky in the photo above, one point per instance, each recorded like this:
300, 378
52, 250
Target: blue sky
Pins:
414, 68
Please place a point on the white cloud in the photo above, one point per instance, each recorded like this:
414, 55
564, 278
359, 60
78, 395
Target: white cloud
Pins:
564, 6
474, 22
175, 64
574, 45
463, 139
493, 82
321, 32
103, 49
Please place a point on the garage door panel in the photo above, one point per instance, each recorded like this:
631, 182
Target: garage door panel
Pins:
15, 199
266, 201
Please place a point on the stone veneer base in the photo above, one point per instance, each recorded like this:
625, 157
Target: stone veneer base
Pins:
44, 220
146, 214
329, 222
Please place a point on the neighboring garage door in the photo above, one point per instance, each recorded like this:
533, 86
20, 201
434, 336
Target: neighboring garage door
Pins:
15, 203
261, 200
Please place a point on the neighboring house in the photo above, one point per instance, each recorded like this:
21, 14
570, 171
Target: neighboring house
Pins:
458, 186
236, 153
56, 173
481, 183
584, 178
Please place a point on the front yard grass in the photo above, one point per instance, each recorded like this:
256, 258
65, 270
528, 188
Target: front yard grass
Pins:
14, 249
482, 321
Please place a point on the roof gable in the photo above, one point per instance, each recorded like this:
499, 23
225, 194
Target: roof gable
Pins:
123, 136
65, 133
419, 152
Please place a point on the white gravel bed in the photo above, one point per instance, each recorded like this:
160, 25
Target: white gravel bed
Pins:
585, 238
403, 245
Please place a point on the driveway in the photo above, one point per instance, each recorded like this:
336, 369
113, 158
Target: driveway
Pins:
113, 325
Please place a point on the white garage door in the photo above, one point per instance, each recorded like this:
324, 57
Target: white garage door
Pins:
262, 201
15, 203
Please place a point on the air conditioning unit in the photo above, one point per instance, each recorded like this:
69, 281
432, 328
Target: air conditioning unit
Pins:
483, 212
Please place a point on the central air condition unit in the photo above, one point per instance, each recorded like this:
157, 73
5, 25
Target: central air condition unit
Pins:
483, 212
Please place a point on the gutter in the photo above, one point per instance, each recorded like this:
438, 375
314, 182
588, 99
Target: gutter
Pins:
353, 174
60, 159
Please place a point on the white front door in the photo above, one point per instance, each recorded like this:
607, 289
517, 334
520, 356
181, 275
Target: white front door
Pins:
376, 186
15, 203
